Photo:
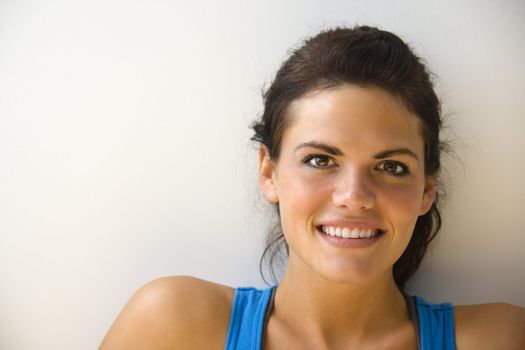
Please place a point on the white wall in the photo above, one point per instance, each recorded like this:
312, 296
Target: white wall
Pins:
125, 152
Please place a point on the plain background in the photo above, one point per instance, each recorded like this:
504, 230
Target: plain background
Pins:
125, 152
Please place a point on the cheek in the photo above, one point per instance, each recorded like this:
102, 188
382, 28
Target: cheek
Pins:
300, 197
404, 203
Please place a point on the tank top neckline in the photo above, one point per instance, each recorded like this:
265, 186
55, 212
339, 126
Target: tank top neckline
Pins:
410, 301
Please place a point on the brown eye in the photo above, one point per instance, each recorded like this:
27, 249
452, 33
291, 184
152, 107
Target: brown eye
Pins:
394, 168
317, 161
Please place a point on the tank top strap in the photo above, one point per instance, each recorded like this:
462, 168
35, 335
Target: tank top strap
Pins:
412, 311
436, 323
247, 319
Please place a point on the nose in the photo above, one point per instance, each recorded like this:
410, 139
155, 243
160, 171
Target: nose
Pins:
354, 191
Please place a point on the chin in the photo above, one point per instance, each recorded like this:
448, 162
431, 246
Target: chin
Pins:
347, 273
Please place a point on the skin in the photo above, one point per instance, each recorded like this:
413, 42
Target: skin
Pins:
346, 296
354, 186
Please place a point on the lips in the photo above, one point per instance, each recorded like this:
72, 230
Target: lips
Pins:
330, 234
349, 232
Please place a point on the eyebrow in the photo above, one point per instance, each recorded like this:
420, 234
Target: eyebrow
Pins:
322, 146
337, 152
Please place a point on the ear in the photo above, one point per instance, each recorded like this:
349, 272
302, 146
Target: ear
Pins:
429, 194
267, 182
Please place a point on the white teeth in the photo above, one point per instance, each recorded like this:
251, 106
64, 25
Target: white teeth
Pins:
346, 232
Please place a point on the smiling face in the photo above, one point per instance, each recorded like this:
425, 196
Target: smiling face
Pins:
351, 164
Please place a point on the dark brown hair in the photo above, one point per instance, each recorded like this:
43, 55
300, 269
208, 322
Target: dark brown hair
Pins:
363, 56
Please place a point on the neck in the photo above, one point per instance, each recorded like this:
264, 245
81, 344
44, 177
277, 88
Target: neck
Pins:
330, 310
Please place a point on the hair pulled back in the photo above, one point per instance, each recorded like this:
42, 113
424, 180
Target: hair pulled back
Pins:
364, 56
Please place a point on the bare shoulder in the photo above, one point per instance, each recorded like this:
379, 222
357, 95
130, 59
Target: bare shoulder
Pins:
179, 312
490, 326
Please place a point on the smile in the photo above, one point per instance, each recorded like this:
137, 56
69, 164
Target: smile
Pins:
350, 233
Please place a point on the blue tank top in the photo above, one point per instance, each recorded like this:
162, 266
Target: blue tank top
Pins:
434, 323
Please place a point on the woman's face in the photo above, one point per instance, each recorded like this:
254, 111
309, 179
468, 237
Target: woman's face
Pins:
351, 164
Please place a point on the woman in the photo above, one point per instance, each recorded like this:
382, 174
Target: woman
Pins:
350, 157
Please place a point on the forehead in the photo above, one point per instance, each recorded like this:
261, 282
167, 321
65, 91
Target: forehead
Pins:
355, 117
